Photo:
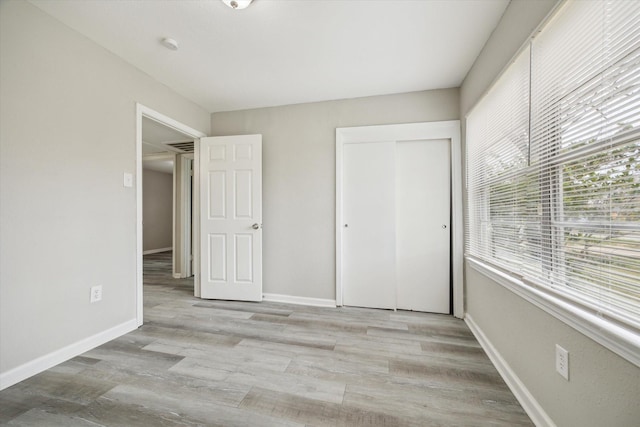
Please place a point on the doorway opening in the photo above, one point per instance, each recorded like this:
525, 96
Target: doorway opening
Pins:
165, 247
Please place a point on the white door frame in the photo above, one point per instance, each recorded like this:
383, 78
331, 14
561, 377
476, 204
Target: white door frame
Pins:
410, 132
143, 111
182, 216
187, 214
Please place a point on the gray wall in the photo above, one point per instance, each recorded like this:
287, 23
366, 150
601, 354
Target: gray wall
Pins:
603, 389
157, 210
299, 177
67, 108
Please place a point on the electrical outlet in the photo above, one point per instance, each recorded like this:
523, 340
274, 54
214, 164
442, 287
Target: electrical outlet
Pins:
96, 293
562, 362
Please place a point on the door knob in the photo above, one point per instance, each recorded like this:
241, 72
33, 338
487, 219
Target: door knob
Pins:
444, 225
256, 226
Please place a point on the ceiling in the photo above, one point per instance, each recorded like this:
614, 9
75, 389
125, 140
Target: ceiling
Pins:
289, 52
158, 165
155, 156
157, 133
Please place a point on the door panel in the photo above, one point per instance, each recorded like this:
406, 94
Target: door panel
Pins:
244, 258
217, 252
243, 194
422, 225
231, 217
369, 225
217, 194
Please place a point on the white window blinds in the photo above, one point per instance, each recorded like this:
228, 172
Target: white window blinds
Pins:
557, 201
497, 160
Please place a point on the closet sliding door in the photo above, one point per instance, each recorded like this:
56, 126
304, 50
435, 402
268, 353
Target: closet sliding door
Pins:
422, 225
396, 234
369, 225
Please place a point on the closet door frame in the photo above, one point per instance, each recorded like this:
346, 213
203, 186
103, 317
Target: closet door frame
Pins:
409, 132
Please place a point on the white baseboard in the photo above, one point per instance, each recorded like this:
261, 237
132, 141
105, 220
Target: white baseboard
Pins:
29, 369
290, 299
155, 251
520, 391
177, 276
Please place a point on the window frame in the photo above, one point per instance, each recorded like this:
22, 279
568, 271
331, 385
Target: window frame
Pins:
573, 308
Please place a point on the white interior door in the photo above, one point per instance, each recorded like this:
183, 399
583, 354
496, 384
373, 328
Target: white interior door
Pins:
231, 217
422, 225
369, 225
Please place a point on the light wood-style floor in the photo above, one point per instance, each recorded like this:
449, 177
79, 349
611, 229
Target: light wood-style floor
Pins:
216, 363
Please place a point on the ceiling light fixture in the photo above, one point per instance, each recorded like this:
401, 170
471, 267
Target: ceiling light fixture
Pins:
237, 4
169, 43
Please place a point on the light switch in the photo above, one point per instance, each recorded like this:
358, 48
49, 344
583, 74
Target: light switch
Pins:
128, 179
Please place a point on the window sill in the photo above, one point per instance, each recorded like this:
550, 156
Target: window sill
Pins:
622, 341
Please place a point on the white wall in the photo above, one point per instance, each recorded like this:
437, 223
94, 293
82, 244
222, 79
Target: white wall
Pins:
157, 210
299, 177
603, 389
67, 108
